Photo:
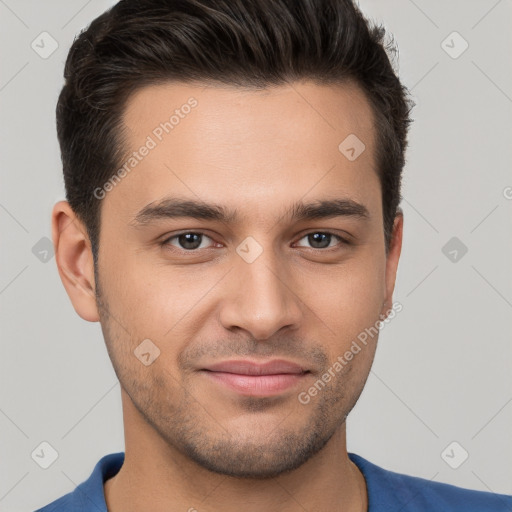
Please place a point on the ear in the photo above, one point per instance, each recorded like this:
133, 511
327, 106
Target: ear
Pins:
74, 259
393, 256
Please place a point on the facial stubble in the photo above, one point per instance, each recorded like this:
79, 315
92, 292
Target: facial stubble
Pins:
202, 434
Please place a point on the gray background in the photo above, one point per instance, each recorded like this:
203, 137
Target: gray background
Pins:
443, 366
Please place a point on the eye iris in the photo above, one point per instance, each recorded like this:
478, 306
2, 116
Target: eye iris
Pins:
319, 237
190, 240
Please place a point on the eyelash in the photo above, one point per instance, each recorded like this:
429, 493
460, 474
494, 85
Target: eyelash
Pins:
166, 243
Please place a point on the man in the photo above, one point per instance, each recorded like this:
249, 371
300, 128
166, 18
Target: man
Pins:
232, 172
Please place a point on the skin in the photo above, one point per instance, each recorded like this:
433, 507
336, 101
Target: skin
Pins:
190, 442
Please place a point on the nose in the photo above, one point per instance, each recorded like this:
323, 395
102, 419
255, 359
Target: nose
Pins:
262, 298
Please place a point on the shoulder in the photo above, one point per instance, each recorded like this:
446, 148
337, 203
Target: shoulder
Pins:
89, 495
387, 489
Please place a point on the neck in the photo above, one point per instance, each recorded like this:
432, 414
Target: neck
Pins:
159, 477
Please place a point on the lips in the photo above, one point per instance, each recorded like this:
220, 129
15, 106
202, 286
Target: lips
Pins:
246, 367
256, 379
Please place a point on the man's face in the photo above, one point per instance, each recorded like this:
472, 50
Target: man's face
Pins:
258, 285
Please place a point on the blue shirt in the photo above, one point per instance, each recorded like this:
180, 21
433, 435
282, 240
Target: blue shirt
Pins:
387, 492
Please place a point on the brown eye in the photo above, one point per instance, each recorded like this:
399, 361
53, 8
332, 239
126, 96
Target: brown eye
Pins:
189, 241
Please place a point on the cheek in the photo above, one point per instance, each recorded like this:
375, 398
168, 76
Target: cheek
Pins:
350, 294
134, 300
349, 302
161, 303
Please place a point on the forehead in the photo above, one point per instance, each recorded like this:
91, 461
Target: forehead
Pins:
248, 116
245, 148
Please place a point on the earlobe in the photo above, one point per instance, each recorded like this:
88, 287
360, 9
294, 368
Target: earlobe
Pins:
74, 259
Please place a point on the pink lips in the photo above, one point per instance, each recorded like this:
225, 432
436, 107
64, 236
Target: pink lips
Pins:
256, 379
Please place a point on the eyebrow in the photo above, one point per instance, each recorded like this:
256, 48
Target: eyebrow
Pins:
174, 207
